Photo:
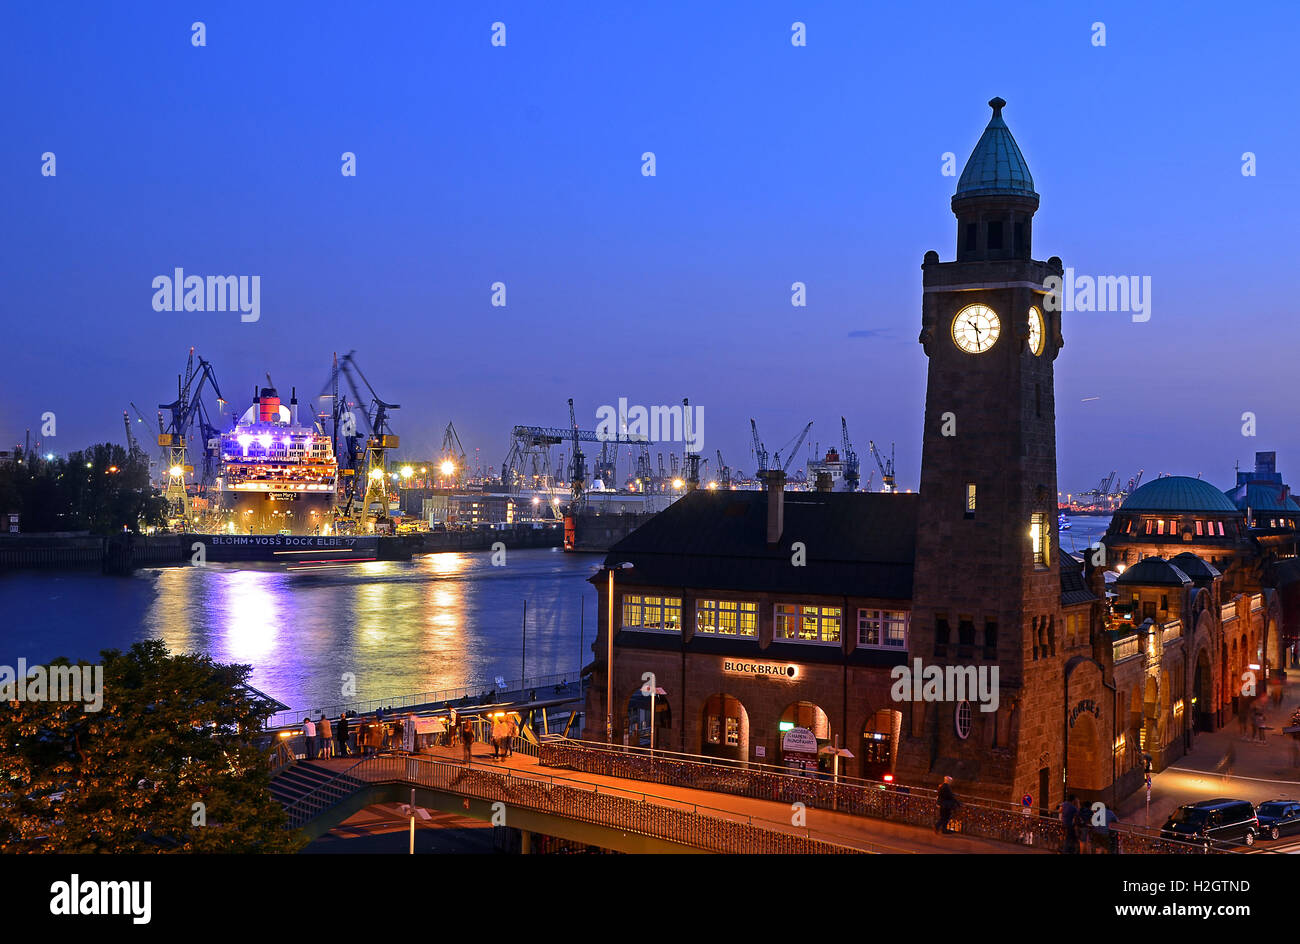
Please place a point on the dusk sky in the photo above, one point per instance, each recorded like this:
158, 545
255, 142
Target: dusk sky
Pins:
522, 164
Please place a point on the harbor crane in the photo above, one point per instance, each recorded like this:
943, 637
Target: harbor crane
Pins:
451, 458
724, 471
578, 470
798, 441
758, 450
357, 451
188, 413
1133, 483
886, 466
852, 473
691, 457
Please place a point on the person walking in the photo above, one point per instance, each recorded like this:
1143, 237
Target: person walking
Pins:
948, 804
1104, 838
511, 731
496, 738
309, 736
342, 733
1069, 825
325, 736
467, 742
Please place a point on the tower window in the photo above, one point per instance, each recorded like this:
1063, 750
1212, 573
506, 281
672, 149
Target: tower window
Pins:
990, 639
972, 237
970, 499
1038, 536
1020, 239
941, 634
995, 234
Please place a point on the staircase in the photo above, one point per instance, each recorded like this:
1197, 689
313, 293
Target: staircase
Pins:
307, 789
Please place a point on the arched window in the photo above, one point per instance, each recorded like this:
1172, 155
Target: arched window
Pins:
962, 719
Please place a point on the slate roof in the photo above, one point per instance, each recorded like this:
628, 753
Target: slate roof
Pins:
996, 166
857, 543
1194, 566
1074, 588
1262, 496
1154, 572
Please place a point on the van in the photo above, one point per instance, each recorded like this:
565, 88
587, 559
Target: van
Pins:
1213, 821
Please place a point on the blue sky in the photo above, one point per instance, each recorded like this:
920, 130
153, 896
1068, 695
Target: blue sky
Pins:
522, 164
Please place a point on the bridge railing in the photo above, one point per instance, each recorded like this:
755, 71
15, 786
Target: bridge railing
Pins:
672, 820
545, 684
913, 805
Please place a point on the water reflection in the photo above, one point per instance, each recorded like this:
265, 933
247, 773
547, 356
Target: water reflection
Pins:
439, 621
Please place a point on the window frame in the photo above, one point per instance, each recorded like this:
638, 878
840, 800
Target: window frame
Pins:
779, 622
882, 618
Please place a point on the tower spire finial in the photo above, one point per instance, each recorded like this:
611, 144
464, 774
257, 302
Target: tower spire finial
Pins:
997, 104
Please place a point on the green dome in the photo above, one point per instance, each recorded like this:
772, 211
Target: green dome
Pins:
996, 166
1178, 493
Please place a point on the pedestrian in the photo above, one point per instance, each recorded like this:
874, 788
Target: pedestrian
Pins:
341, 732
1241, 722
511, 731
948, 804
325, 737
496, 738
467, 742
309, 736
1069, 825
1105, 839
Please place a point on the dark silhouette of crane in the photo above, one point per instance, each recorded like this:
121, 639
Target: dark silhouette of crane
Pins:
852, 472
886, 467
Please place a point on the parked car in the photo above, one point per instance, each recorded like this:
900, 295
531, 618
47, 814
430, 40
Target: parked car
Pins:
1278, 817
1220, 820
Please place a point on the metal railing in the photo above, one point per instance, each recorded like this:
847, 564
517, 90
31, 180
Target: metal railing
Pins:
672, 820
914, 805
293, 717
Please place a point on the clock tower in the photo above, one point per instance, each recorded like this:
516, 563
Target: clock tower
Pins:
986, 589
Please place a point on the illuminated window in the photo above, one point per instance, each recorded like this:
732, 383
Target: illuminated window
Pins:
1148, 526
1220, 529
882, 629
726, 618
1160, 526
733, 731
662, 614
970, 499
805, 623
1039, 535
715, 729
1199, 523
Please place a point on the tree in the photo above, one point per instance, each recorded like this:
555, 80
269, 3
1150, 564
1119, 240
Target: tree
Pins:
173, 731
102, 489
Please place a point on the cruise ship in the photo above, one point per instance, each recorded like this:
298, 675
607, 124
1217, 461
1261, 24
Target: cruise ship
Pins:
277, 476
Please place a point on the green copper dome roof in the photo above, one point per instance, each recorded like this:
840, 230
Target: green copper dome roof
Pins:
1178, 493
996, 166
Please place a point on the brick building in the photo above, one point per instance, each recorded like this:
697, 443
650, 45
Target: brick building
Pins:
779, 626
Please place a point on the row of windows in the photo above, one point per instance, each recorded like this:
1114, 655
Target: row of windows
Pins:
1161, 526
792, 622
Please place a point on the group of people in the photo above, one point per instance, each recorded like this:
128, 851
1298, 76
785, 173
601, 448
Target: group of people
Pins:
324, 739
346, 736
1078, 828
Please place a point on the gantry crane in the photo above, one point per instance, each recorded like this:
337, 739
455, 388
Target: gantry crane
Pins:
692, 455
357, 451
451, 459
724, 471
578, 470
187, 412
886, 467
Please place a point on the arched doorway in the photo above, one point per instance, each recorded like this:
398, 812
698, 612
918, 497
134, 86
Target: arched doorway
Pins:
724, 730
803, 715
879, 735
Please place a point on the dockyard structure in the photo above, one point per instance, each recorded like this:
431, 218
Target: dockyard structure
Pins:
943, 633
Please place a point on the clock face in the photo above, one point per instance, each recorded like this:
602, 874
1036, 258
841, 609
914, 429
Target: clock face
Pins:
976, 329
1035, 331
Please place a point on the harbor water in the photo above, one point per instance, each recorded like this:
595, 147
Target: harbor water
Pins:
438, 621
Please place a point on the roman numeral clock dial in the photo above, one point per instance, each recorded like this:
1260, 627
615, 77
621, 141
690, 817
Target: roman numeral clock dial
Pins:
976, 329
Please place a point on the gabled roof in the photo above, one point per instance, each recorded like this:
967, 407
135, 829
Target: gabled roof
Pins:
860, 543
996, 166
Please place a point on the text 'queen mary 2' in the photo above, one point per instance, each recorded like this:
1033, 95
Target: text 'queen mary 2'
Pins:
276, 475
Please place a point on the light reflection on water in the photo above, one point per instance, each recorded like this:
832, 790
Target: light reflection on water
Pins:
438, 621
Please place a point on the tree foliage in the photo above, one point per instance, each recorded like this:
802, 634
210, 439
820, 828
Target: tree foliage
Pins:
173, 731
101, 489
